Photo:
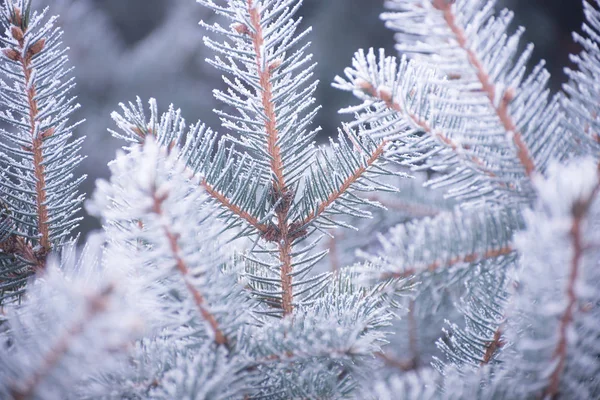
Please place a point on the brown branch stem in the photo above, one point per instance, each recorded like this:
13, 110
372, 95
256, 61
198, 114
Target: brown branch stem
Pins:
493, 346
23, 56
224, 201
37, 138
279, 184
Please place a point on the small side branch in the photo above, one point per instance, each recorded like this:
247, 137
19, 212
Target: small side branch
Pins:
387, 98
493, 347
488, 87
463, 258
224, 201
23, 56
220, 338
346, 184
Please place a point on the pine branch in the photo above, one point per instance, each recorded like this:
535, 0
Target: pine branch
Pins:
477, 342
485, 234
211, 165
583, 118
548, 323
397, 107
95, 305
470, 258
184, 270
500, 106
579, 213
75, 326
38, 184
226, 203
273, 105
383, 94
343, 187
483, 100
163, 223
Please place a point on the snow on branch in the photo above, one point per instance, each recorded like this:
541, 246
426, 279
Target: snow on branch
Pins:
161, 220
582, 89
553, 322
280, 189
453, 239
77, 323
38, 186
488, 102
396, 106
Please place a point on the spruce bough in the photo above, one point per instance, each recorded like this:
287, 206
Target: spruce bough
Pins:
443, 246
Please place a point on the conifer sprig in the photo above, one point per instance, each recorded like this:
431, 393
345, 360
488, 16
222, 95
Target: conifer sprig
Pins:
281, 188
38, 185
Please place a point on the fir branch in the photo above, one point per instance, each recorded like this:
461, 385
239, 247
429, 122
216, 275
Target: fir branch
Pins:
579, 213
383, 94
169, 130
38, 154
581, 103
488, 86
486, 234
270, 99
184, 270
23, 54
548, 321
95, 305
345, 185
469, 258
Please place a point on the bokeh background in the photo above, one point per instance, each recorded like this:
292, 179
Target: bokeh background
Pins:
153, 48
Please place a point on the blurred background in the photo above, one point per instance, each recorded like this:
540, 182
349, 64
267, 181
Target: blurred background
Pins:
153, 48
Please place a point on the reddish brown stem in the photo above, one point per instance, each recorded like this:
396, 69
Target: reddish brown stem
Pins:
23, 57
37, 139
488, 87
224, 201
279, 185
220, 338
493, 346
